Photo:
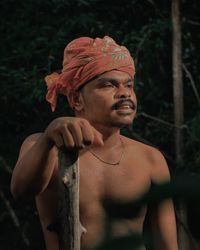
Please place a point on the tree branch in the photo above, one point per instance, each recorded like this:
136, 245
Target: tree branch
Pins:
156, 8
189, 76
191, 22
5, 165
171, 125
14, 218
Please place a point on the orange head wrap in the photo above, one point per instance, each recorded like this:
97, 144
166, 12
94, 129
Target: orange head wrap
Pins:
85, 58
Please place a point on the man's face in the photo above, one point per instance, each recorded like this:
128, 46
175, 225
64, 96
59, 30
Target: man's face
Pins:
110, 99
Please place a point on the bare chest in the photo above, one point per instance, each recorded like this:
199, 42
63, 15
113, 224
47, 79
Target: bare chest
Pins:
101, 187
124, 182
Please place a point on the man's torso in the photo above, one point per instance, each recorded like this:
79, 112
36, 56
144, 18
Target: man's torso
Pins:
102, 184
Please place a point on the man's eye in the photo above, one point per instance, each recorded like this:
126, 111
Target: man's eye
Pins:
108, 85
129, 85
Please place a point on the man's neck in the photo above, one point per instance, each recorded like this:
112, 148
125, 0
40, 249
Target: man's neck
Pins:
111, 135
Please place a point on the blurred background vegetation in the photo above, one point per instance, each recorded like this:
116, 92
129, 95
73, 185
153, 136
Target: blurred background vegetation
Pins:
33, 35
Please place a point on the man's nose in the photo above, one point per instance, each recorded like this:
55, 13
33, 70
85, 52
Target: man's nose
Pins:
123, 92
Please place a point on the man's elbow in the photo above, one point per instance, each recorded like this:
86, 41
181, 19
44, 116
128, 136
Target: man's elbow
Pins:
21, 192
17, 192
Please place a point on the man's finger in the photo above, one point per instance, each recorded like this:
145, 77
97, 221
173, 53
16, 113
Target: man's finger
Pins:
58, 140
98, 138
68, 138
76, 132
88, 134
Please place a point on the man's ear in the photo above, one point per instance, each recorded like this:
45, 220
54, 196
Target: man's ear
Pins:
75, 100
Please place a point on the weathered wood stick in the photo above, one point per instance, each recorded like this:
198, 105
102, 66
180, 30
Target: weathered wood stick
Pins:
68, 208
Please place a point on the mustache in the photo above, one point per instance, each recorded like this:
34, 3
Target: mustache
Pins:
124, 101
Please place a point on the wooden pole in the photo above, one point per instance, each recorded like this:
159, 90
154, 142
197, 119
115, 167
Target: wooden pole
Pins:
183, 240
68, 207
177, 79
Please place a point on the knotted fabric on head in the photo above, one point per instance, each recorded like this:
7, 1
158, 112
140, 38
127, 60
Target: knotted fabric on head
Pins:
85, 58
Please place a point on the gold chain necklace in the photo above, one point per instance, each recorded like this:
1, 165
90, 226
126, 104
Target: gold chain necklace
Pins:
110, 163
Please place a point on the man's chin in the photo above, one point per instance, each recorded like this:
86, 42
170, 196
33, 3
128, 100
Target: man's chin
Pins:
125, 115
120, 123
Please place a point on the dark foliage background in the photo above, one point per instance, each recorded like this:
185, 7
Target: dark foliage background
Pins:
33, 34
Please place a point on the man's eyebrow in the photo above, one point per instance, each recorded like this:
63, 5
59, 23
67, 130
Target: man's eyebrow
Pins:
112, 79
106, 79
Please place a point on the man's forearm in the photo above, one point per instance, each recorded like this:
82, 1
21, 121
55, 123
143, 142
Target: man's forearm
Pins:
33, 170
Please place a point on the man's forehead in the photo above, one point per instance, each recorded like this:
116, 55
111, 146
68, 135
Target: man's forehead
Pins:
115, 75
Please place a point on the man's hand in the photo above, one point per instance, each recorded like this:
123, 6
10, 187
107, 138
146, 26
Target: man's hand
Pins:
72, 132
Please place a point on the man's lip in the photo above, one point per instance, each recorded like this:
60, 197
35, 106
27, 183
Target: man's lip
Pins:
125, 105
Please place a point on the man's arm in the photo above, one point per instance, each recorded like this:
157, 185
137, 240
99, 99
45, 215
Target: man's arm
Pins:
163, 217
38, 158
34, 168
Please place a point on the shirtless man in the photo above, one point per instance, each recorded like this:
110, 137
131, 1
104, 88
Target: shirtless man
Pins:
98, 80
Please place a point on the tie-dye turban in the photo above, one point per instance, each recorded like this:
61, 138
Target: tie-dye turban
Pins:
85, 58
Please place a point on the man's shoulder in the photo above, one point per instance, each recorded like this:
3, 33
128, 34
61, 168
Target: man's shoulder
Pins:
32, 137
29, 142
151, 155
143, 148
